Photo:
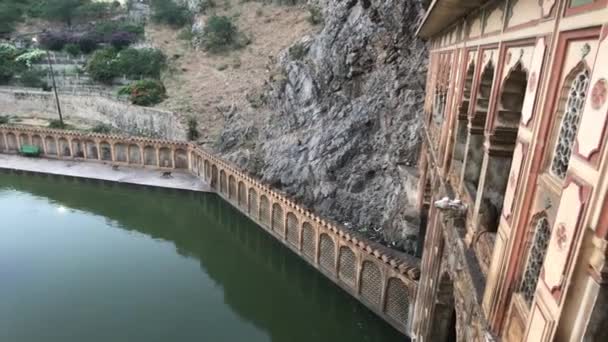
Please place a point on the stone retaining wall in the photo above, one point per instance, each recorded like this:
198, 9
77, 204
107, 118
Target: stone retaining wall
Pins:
133, 120
383, 279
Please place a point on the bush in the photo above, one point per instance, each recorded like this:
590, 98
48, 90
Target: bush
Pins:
53, 40
102, 129
186, 34
121, 40
33, 78
297, 52
56, 124
145, 92
107, 64
220, 34
193, 133
72, 49
88, 42
138, 63
3, 119
102, 66
10, 14
94, 10
8, 65
170, 13
315, 16
107, 28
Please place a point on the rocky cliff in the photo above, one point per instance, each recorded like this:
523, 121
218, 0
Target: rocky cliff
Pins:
343, 109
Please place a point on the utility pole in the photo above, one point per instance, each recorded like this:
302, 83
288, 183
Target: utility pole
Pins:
48, 59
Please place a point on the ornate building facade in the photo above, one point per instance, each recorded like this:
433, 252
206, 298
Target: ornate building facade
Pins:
515, 138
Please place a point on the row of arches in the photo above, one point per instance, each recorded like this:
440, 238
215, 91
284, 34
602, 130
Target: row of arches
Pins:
97, 149
369, 280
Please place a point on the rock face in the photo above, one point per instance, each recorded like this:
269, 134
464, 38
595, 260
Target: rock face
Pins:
341, 134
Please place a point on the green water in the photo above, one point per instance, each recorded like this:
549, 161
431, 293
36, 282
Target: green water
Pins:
89, 261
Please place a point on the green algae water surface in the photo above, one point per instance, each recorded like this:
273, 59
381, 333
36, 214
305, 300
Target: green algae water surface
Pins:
89, 261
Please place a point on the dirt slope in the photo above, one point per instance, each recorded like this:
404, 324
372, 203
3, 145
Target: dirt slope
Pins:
206, 85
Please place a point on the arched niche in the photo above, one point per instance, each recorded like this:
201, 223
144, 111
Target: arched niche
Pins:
475, 139
150, 156
134, 154
460, 141
502, 143
181, 159
51, 146
106, 151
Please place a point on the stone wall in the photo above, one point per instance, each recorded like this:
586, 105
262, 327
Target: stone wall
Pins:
132, 120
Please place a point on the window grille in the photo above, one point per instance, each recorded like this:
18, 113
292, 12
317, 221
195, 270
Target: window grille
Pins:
327, 258
347, 267
569, 125
371, 282
535, 259
397, 301
308, 241
277, 218
292, 229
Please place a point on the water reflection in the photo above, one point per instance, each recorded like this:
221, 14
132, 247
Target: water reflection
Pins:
261, 282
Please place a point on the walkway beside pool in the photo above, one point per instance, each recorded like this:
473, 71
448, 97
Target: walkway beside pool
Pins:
104, 171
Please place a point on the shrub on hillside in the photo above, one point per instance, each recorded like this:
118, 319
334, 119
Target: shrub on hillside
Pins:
102, 128
145, 92
170, 13
193, 133
88, 42
72, 49
121, 40
102, 66
10, 15
220, 34
33, 77
53, 40
8, 65
57, 124
138, 63
315, 16
107, 28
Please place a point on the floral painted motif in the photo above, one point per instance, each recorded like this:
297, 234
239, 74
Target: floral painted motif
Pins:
562, 236
599, 94
532, 82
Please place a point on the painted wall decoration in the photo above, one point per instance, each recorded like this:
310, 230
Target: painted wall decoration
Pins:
593, 122
535, 69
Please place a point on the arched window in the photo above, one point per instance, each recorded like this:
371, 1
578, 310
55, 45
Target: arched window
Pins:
536, 256
476, 138
569, 123
461, 130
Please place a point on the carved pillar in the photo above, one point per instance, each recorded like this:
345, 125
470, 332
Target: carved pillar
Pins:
142, 155
99, 152
70, 147
173, 157
473, 159
5, 141
157, 156
83, 145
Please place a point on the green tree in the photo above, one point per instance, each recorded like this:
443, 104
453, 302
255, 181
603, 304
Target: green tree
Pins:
220, 33
102, 66
63, 10
170, 13
10, 14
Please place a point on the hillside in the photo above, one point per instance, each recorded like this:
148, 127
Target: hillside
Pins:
209, 85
